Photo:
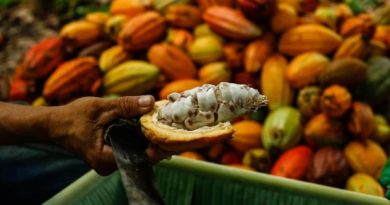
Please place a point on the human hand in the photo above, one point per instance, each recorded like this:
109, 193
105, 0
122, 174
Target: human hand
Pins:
79, 126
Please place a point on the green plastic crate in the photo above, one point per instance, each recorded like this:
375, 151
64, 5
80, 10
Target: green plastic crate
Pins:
184, 181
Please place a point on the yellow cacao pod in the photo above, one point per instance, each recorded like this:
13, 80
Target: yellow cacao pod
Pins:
180, 38
114, 25
366, 157
178, 86
309, 37
364, 183
173, 62
296, 4
278, 92
305, 68
257, 52
142, 31
284, 18
131, 78
98, 18
206, 49
204, 30
214, 73
113, 57
81, 33
247, 135
353, 46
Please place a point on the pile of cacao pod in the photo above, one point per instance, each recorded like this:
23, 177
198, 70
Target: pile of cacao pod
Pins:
324, 67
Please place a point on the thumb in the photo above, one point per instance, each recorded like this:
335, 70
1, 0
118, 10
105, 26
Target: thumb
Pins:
131, 106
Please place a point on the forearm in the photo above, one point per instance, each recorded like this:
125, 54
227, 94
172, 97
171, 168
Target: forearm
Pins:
24, 124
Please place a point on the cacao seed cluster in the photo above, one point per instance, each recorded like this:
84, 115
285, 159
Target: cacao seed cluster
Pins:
324, 68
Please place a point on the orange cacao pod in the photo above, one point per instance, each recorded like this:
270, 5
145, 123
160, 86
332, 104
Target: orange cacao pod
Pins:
293, 163
257, 10
305, 68
321, 131
335, 101
98, 18
129, 8
246, 78
231, 156
72, 79
230, 23
366, 156
233, 53
183, 15
309, 37
178, 86
247, 135
278, 92
361, 122
257, 52
353, 46
81, 33
204, 4
180, 38
142, 31
382, 34
41, 59
173, 62
284, 18
214, 73
192, 155
362, 24
22, 90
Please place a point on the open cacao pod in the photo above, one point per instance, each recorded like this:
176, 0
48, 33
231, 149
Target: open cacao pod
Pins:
199, 117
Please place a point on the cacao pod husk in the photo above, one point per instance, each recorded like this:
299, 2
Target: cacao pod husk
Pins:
366, 156
183, 15
257, 52
142, 31
279, 92
335, 101
340, 71
322, 131
173, 62
309, 37
192, 155
214, 73
132, 77
41, 59
73, 79
230, 23
305, 68
293, 163
361, 123
329, 167
308, 101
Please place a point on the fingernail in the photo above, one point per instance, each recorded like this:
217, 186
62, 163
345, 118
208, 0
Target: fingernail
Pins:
144, 101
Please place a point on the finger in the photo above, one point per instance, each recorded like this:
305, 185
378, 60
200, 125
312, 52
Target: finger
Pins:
131, 106
106, 164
